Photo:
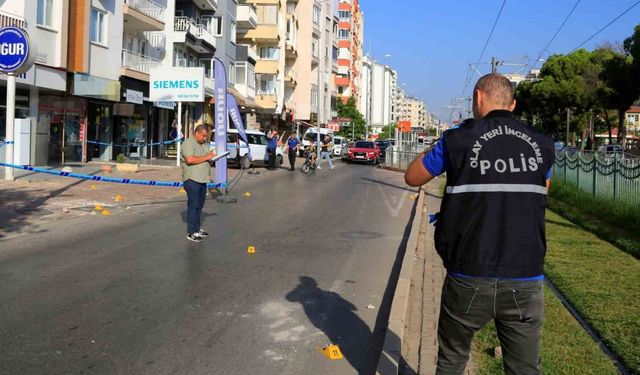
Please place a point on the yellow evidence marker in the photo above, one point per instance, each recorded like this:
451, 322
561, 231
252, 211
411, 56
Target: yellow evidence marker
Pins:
119, 198
182, 190
98, 207
332, 352
251, 250
106, 212
247, 194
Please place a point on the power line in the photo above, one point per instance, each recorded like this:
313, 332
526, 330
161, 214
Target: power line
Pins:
605, 26
557, 32
484, 48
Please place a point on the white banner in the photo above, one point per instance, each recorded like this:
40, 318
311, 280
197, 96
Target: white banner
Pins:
176, 84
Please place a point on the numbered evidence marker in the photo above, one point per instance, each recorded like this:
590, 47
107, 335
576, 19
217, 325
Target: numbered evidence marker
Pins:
251, 250
332, 352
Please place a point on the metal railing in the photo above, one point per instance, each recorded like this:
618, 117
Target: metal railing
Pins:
613, 176
156, 39
148, 7
139, 62
198, 30
399, 159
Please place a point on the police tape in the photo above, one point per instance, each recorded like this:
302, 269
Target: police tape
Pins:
136, 144
105, 178
2, 143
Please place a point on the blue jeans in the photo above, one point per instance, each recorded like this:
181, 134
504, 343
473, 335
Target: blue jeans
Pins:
325, 155
196, 195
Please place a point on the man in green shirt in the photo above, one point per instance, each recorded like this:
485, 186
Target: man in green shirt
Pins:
196, 172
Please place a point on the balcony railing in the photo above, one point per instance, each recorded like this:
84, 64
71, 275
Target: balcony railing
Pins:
9, 19
138, 62
156, 39
247, 16
148, 7
198, 30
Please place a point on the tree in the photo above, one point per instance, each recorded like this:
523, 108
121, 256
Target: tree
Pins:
350, 110
388, 131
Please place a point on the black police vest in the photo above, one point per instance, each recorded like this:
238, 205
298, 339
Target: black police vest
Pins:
491, 222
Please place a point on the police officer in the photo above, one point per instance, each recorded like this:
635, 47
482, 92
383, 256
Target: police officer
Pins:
490, 232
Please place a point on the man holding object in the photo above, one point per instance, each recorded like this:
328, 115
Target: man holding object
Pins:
196, 173
490, 232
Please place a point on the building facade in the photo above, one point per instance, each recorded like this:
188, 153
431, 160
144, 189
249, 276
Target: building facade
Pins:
350, 41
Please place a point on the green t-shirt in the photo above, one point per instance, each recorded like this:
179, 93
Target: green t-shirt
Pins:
199, 172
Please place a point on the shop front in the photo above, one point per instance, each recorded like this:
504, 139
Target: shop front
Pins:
63, 118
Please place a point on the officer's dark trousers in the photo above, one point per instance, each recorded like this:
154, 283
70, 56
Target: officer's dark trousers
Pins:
517, 307
196, 195
272, 158
292, 158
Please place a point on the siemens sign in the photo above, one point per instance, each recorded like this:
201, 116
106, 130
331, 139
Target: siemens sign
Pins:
15, 54
176, 85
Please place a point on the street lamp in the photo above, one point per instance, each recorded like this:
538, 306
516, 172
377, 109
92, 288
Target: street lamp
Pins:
318, 96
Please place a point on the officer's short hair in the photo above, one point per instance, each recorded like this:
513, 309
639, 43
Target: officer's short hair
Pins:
497, 87
201, 128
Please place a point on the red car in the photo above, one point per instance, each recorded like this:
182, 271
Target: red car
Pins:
364, 151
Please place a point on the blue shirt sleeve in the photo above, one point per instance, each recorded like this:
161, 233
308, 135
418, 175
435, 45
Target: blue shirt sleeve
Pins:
434, 160
549, 173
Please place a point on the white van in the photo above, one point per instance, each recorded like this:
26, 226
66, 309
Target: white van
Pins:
339, 146
258, 142
311, 135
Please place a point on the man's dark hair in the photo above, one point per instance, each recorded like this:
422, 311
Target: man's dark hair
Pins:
201, 128
497, 87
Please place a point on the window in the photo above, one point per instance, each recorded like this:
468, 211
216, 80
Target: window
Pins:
267, 85
314, 98
98, 26
344, 15
291, 8
343, 34
233, 31
232, 74
251, 76
217, 27
316, 16
45, 13
241, 73
268, 14
269, 53
143, 48
314, 46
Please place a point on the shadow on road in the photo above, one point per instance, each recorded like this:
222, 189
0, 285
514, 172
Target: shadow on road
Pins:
336, 317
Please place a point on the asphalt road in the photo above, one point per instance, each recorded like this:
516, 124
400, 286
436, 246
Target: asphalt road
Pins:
128, 294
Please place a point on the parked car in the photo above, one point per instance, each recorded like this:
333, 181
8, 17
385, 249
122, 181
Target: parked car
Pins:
384, 145
611, 151
347, 147
364, 151
339, 146
257, 142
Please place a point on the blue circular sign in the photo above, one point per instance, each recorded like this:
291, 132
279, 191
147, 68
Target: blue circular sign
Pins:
14, 50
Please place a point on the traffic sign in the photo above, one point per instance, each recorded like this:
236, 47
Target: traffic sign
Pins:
15, 50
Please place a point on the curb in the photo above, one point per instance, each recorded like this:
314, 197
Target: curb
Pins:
394, 169
389, 361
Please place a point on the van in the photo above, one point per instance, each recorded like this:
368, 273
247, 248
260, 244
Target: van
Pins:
311, 135
339, 146
257, 142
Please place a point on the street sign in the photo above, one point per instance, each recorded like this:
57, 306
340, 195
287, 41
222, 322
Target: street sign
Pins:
177, 84
134, 96
15, 51
404, 126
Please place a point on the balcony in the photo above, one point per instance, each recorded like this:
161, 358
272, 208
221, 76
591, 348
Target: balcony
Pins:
314, 59
267, 67
196, 35
9, 19
247, 17
267, 100
137, 66
291, 49
334, 66
290, 77
201, 4
157, 40
264, 33
342, 81
143, 15
316, 28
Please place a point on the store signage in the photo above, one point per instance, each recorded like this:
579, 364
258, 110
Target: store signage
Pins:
177, 84
165, 105
15, 51
134, 96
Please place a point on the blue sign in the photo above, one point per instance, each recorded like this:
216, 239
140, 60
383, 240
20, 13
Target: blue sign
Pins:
14, 50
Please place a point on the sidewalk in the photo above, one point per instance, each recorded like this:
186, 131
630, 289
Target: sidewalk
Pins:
420, 344
35, 198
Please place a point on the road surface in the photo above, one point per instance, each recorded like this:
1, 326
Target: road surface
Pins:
128, 294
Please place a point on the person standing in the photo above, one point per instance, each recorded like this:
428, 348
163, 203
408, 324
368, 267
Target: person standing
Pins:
293, 144
272, 136
490, 231
196, 173
324, 152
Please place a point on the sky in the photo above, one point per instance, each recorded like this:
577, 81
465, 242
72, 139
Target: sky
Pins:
432, 42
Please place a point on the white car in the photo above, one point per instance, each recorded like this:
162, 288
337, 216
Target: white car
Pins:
311, 135
339, 146
258, 142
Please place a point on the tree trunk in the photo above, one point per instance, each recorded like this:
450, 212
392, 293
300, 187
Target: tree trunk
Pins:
608, 121
622, 129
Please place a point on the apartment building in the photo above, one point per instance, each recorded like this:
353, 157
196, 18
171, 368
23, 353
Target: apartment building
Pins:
364, 105
383, 96
350, 40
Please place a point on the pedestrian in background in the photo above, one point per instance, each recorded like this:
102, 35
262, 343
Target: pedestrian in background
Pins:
490, 232
272, 136
196, 173
324, 152
293, 144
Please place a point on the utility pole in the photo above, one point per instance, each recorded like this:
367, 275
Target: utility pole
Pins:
494, 65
